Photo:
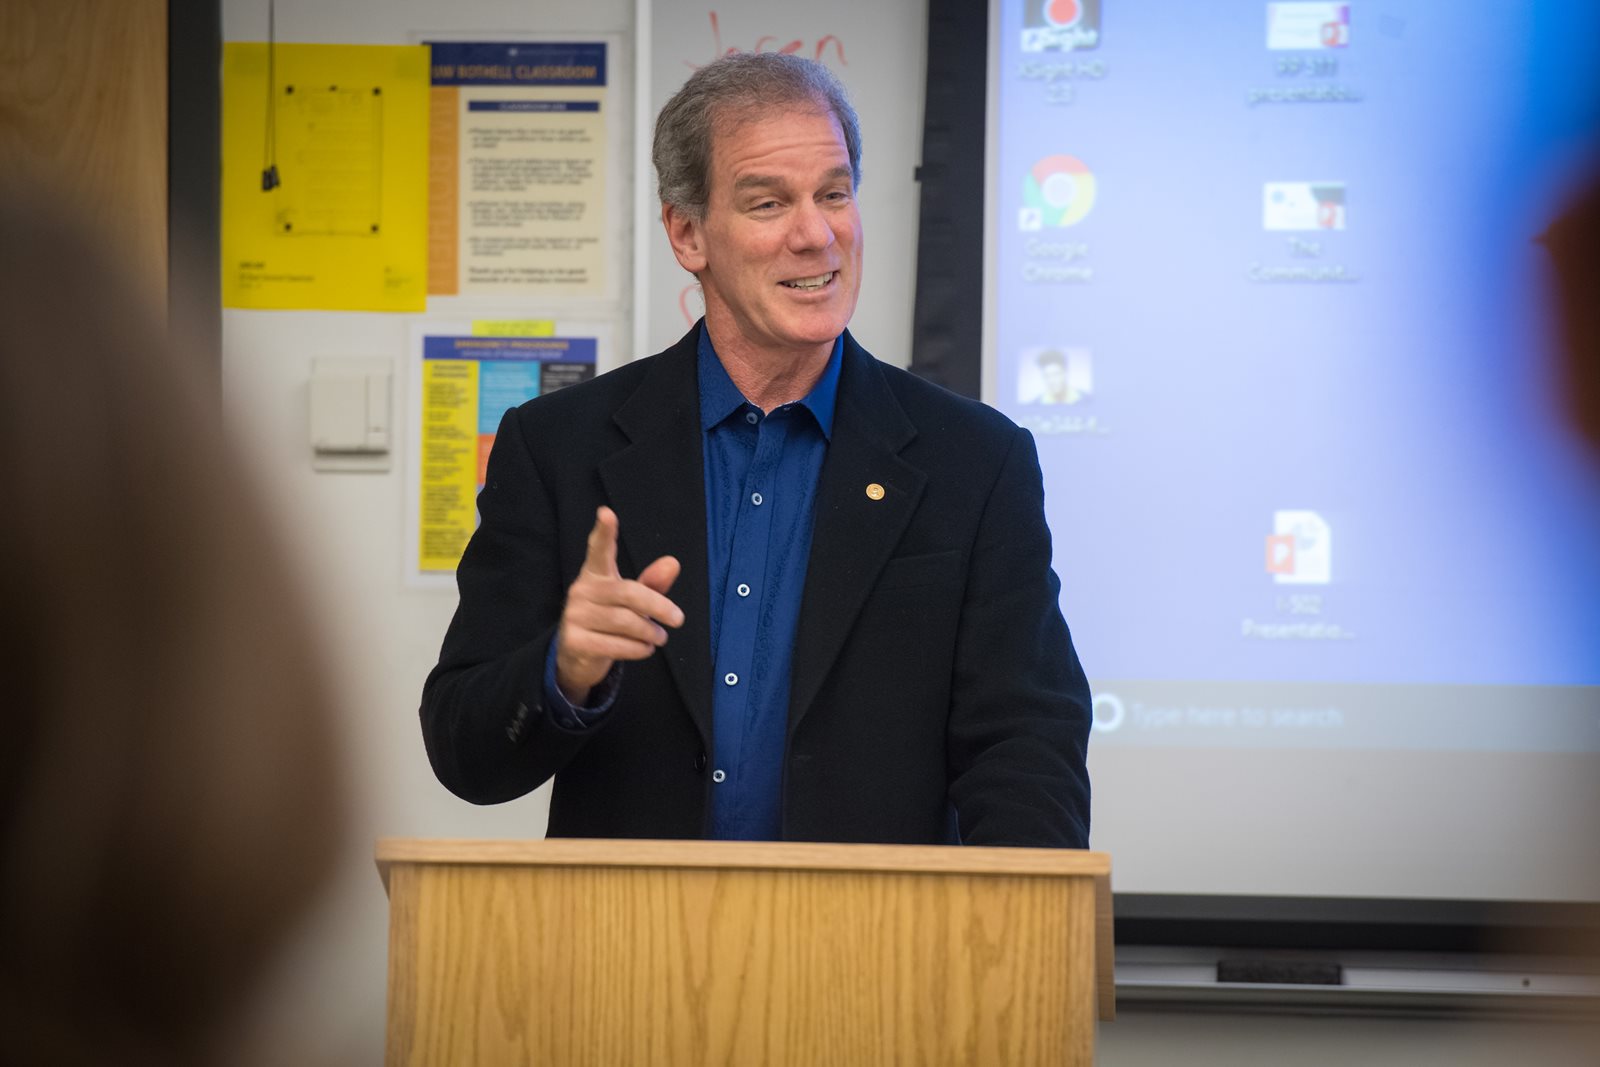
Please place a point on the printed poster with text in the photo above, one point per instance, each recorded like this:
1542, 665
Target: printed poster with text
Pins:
324, 177
462, 385
518, 170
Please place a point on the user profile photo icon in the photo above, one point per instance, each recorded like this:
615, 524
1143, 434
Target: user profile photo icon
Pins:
1054, 375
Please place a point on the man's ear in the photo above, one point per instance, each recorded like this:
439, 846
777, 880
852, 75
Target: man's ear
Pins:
686, 238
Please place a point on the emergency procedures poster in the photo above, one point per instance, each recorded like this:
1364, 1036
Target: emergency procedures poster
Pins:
462, 385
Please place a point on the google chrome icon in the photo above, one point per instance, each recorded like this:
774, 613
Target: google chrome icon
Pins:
1060, 189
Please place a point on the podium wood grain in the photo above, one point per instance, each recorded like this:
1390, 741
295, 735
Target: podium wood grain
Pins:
573, 952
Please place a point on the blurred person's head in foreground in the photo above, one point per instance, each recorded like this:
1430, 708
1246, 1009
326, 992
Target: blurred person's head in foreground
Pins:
169, 797
1574, 243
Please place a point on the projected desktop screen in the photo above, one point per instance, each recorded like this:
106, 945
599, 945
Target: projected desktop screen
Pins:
1262, 281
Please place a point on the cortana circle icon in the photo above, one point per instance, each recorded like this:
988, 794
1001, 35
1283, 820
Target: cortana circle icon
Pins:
1107, 712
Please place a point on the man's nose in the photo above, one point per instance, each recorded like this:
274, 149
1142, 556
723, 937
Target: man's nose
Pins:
809, 229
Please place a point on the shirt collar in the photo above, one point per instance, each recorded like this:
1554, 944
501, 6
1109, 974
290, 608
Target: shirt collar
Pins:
719, 397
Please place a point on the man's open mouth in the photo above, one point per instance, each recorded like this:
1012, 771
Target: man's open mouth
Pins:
806, 284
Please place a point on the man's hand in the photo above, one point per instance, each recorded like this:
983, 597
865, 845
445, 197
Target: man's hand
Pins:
608, 617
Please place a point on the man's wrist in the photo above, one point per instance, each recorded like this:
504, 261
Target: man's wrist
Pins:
576, 697
593, 704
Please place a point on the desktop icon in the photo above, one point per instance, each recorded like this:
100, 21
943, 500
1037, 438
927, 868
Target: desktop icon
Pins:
1302, 206
1054, 376
1300, 549
1060, 188
1307, 26
1060, 25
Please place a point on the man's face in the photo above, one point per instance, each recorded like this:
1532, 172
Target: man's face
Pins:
778, 253
1055, 380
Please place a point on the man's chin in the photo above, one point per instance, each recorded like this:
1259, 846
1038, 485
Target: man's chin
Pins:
810, 331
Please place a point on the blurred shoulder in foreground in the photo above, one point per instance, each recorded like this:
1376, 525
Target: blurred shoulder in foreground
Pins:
169, 786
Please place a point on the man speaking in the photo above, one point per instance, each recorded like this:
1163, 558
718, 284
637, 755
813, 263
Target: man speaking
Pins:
761, 586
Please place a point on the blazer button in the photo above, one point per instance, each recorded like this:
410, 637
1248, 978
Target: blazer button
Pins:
700, 763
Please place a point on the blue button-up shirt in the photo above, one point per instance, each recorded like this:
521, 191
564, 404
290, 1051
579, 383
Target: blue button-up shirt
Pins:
761, 485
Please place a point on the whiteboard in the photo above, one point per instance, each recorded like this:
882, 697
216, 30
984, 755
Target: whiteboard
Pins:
878, 51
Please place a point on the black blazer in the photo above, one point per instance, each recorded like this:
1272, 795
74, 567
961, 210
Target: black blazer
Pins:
933, 673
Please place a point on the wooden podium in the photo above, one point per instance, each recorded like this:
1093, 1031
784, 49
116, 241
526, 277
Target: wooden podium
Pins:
697, 952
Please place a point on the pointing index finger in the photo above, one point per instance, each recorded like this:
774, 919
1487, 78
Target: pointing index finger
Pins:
601, 558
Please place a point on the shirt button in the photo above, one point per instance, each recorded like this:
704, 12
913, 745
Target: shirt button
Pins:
718, 776
751, 417
744, 590
755, 498
730, 678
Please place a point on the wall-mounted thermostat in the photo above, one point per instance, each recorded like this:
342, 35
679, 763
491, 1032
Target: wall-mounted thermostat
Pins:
351, 427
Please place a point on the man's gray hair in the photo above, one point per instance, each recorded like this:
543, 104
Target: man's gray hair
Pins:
735, 87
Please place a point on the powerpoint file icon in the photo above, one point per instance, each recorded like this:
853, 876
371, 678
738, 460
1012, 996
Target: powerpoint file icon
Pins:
1302, 206
1300, 549
1306, 25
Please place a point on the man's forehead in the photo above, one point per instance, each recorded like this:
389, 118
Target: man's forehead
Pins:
735, 136
733, 116
730, 124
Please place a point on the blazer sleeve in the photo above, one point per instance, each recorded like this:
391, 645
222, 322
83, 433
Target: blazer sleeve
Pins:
1020, 705
489, 734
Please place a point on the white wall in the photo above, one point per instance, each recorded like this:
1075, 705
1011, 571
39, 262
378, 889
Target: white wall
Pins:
327, 1001
327, 1004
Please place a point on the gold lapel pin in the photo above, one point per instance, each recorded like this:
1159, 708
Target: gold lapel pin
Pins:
875, 491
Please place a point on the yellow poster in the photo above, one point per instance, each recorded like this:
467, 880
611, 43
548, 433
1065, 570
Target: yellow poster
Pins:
513, 328
450, 461
325, 177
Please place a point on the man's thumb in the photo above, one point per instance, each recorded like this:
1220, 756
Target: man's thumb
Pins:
661, 574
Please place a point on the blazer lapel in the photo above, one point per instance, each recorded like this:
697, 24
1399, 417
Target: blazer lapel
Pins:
855, 533
656, 486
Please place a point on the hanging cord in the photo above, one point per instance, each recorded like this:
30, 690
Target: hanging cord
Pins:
269, 150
